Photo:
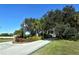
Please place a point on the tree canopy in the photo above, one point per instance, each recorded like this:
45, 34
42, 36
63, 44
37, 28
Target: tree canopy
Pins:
65, 22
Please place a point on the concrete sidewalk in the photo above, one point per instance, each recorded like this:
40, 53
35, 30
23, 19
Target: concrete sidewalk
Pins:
7, 48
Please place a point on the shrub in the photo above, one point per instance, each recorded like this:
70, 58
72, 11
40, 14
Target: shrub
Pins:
70, 33
33, 38
76, 37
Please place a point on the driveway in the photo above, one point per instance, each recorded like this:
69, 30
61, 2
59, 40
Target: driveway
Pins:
7, 48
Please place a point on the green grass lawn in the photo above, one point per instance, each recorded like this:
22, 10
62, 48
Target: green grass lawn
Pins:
4, 40
59, 47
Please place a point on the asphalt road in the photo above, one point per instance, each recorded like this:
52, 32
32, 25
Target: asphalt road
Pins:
8, 48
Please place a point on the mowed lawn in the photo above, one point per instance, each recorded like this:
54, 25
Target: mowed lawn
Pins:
59, 47
5, 39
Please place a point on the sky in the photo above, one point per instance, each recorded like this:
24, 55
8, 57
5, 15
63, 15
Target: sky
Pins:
12, 15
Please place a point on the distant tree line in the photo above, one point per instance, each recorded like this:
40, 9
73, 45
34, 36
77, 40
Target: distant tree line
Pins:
64, 23
6, 34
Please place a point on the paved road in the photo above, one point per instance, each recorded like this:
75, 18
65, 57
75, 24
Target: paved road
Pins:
7, 48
